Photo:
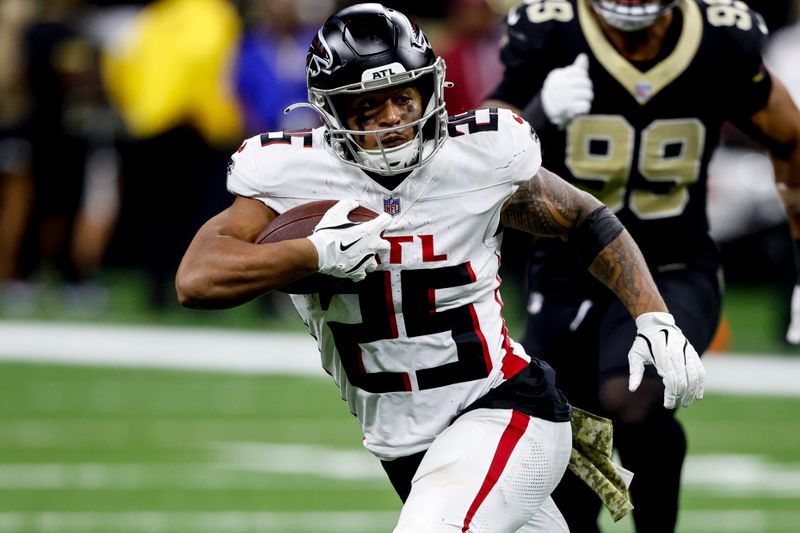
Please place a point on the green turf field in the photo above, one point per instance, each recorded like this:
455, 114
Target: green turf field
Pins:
99, 450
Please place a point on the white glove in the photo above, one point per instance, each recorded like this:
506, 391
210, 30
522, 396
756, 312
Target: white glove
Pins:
348, 249
661, 343
568, 92
793, 333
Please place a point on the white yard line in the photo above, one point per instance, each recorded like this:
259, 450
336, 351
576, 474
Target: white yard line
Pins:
243, 466
290, 353
753, 374
258, 466
740, 475
691, 521
298, 459
159, 347
197, 522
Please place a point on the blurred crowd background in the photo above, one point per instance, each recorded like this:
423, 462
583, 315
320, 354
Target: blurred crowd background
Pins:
117, 119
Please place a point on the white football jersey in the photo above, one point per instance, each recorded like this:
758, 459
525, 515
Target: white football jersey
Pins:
423, 336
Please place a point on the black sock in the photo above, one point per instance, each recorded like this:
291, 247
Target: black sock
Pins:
578, 503
654, 451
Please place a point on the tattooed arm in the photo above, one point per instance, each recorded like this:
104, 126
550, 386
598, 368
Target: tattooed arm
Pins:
548, 206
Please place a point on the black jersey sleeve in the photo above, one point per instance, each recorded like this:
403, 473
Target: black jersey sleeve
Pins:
749, 83
523, 56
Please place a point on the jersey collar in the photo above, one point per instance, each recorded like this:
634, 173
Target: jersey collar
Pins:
644, 85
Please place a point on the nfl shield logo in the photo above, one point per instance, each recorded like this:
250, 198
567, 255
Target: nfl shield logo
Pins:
643, 91
391, 206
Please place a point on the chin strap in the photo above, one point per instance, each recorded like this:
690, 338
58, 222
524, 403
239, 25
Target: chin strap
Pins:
401, 156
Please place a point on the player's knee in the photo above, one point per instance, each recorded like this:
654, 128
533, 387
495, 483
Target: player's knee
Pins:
637, 407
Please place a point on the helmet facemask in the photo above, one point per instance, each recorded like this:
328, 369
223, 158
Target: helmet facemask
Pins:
430, 127
630, 15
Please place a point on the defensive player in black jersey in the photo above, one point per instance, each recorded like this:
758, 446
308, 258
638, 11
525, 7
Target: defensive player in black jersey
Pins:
628, 97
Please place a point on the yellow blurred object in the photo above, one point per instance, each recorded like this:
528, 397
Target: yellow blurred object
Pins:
175, 68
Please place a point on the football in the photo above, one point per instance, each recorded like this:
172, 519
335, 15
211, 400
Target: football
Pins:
299, 222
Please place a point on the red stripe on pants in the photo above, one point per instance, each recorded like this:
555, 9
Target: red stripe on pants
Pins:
508, 441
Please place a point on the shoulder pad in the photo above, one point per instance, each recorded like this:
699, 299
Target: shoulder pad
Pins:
505, 139
474, 121
743, 29
259, 164
298, 139
517, 127
487, 119
529, 26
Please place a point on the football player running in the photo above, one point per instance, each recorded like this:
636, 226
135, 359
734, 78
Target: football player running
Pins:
629, 97
470, 429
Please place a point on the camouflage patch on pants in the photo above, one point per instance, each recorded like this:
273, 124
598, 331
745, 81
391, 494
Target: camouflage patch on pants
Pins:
590, 460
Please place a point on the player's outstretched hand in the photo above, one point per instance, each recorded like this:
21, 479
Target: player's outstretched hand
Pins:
661, 343
348, 249
568, 91
793, 333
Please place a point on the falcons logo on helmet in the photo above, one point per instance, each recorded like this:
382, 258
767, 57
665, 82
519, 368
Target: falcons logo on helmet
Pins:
320, 58
418, 38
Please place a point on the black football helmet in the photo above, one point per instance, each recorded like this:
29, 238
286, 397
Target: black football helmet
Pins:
368, 47
632, 15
